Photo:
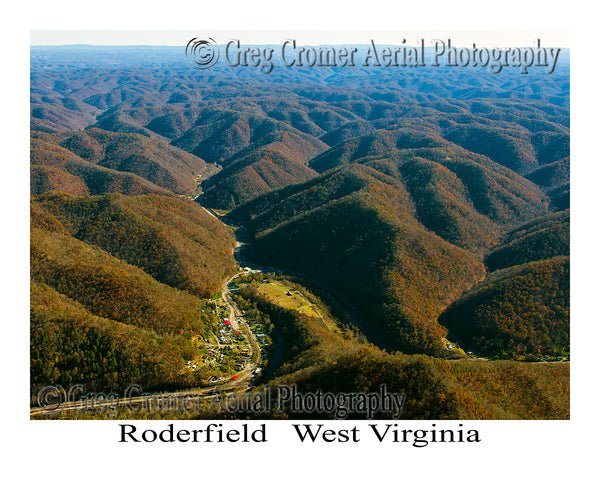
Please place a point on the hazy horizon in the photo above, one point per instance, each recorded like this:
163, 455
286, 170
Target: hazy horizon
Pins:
168, 38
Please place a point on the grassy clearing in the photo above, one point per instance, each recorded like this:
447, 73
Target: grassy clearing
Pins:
277, 293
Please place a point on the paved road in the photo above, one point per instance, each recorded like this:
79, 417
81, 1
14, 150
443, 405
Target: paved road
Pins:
231, 306
235, 315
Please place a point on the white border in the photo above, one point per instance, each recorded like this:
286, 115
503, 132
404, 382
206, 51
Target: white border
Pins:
545, 449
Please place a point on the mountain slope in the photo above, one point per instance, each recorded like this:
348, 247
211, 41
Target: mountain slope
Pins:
259, 172
70, 345
543, 238
56, 168
360, 236
519, 310
395, 234
151, 159
173, 240
258, 154
319, 359
115, 289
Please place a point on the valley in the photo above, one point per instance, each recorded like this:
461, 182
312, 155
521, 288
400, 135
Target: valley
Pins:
334, 229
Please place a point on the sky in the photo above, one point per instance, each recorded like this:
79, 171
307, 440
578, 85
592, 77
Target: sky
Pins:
460, 38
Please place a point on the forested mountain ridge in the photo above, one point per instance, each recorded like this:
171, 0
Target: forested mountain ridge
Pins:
321, 360
173, 240
117, 287
434, 202
519, 310
70, 345
266, 128
543, 238
522, 308
90, 153
403, 228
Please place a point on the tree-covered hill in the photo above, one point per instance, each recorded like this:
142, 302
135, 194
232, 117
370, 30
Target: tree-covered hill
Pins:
264, 129
171, 239
401, 235
540, 239
518, 310
92, 153
69, 345
522, 307
118, 288
431, 202
321, 360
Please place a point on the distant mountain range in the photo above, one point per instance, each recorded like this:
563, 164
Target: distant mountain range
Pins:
434, 202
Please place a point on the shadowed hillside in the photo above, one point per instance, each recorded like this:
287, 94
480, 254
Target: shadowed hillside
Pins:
543, 238
394, 234
522, 307
518, 310
321, 360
